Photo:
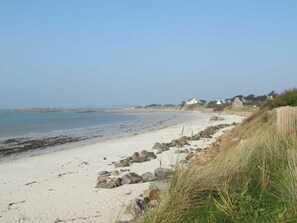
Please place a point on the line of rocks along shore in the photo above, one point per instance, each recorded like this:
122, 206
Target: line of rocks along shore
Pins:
160, 177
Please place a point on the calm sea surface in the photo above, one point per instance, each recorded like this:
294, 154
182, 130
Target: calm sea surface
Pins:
23, 131
30, 124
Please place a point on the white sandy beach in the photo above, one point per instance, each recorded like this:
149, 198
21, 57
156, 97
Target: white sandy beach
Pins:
60, 186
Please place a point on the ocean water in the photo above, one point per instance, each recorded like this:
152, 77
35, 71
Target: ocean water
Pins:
24, 131
37, 124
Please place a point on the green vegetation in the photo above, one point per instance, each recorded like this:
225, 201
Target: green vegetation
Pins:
289, 97
252, 179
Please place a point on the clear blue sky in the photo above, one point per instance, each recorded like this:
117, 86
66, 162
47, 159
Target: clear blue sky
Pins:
68, 53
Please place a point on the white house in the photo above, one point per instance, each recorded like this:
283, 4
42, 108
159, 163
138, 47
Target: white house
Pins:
219, 102
191, 101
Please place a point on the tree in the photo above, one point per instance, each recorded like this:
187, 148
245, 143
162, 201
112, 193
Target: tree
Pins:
250, 97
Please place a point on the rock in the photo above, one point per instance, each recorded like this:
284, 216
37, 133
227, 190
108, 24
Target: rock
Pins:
147, 154
148, 176
143, 153
135, 155
115, 173
138, 159
111, 184
179, 142
185, 151
104, 173
196, 137
102, 179
153, 203
162, 173
159, 151
185, 138
189, 156
122, 163
136, 207
152, 194
124, 170
150, 156
216, 118
131, 178
160, 147
199, 149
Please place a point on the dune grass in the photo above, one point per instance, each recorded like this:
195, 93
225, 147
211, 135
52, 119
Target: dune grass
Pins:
252, 179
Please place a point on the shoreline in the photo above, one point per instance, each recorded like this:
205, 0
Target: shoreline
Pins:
61, 185
23, 147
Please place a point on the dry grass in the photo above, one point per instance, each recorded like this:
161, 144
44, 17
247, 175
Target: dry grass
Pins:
253, 179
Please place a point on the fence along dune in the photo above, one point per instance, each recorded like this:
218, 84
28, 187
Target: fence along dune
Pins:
286, 120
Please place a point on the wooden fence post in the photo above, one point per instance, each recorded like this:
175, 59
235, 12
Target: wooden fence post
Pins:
286, 120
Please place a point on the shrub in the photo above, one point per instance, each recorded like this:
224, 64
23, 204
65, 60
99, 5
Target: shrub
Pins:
287, 98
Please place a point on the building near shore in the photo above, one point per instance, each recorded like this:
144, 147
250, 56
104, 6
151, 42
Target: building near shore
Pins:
237, 103
191, 101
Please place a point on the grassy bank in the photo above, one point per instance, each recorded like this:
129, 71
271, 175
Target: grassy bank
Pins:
252, 179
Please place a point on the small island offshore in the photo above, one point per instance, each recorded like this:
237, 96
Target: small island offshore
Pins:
35, 109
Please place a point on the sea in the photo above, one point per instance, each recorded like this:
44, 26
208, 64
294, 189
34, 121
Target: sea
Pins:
25, 131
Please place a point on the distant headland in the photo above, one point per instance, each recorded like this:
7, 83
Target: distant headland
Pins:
35, 109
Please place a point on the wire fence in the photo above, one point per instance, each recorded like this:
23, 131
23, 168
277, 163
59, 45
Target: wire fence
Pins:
287, 120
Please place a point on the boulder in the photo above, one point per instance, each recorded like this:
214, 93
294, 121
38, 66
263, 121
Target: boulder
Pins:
180, 142
137, 158
122, 163
143, 153
102, 179
131, 178
111, 184
115, 173
135, 155
162, 173
160, 147
148, 176
104, 173
189, 156
152, 194
136, 207
196, 137
150, 156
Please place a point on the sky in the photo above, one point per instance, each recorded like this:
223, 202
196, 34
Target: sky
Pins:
70, 53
